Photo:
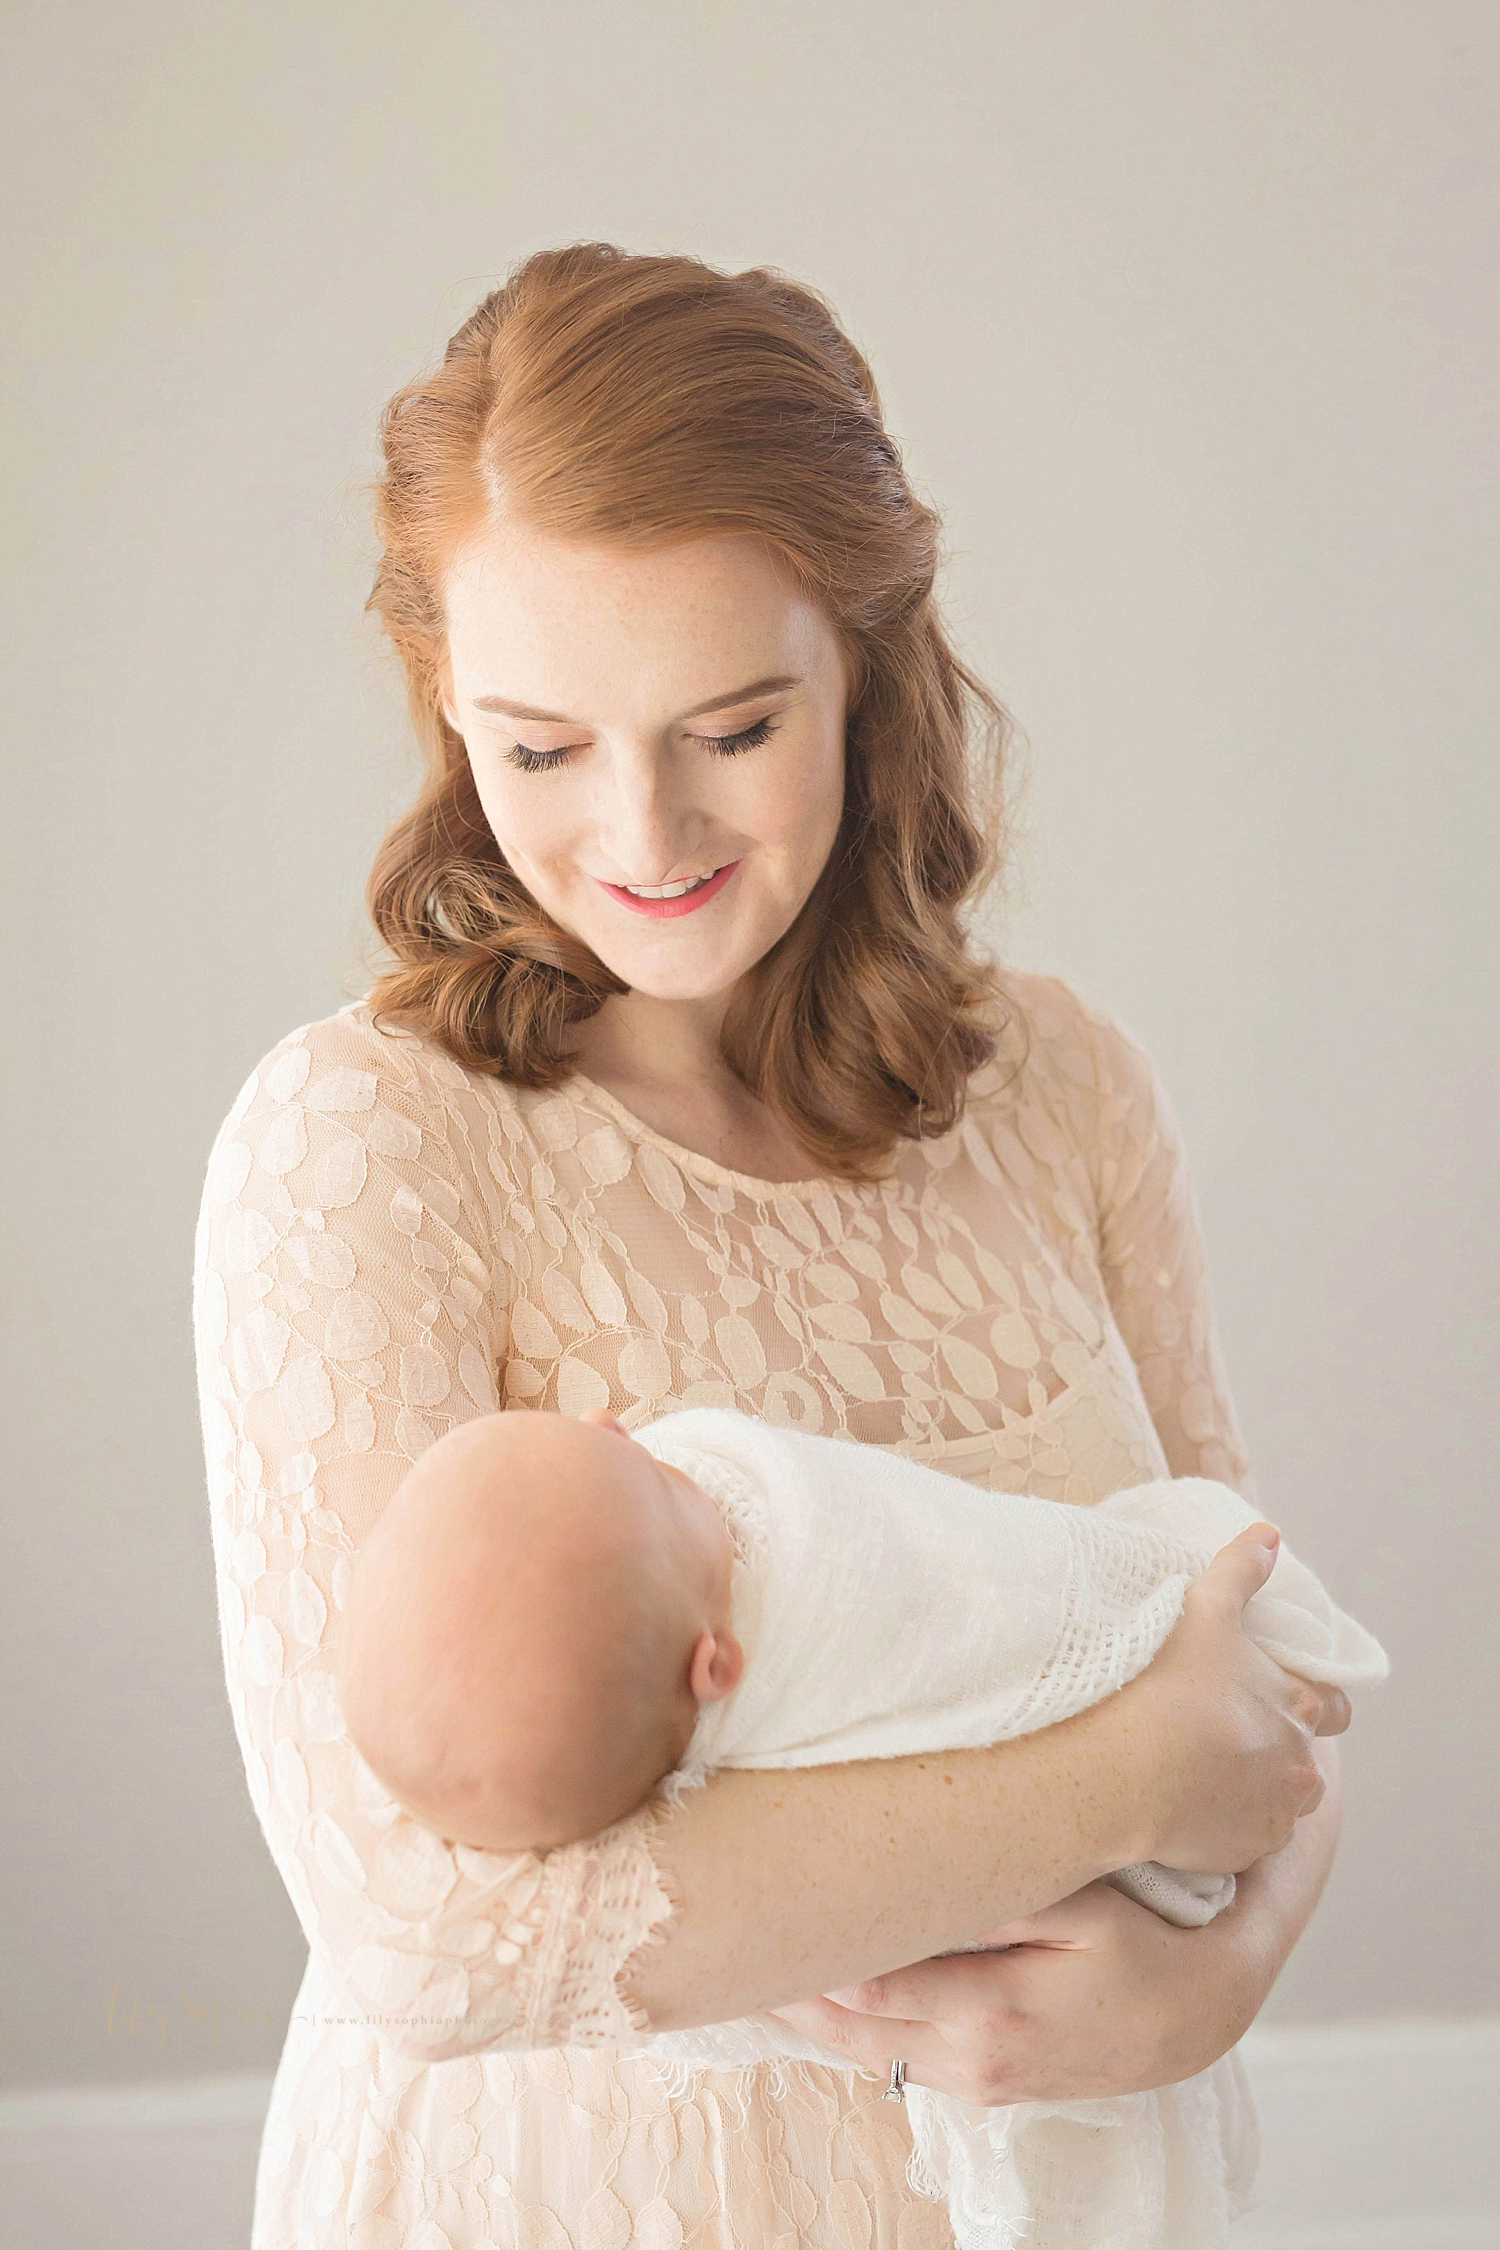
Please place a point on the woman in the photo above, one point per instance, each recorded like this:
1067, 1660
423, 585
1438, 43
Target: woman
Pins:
686, 1088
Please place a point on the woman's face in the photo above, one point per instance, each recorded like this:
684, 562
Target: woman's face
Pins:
638, 720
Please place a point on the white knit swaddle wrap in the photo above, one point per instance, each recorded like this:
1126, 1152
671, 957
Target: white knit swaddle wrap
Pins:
887, 1610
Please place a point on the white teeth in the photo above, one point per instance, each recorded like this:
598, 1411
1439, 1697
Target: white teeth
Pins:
668, 890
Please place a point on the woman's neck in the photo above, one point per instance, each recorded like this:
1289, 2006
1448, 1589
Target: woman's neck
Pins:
661, 1059
641, 1041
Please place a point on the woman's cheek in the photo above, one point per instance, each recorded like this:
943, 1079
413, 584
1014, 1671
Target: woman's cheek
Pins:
529, 833
801, 801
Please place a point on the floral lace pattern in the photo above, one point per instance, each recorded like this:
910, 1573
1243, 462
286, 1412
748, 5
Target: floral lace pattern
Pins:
389, 1245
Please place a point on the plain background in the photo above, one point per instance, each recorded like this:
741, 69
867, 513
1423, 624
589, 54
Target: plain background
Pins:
1185, 316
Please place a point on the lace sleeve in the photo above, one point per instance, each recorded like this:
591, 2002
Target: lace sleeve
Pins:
1151, 1255
346, 1314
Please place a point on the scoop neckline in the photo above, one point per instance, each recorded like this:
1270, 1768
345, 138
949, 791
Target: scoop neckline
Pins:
691, 1160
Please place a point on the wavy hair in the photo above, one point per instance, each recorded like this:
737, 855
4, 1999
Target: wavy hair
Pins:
603, 396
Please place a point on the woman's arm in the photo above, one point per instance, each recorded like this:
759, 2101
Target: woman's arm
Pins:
350, 1307
1094, 1996
792, 1881
1103, 1997
1274, 1901
1206, 1759
1152, 1259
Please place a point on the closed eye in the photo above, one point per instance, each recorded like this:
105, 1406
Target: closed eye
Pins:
538, 761
748, 738
722, 746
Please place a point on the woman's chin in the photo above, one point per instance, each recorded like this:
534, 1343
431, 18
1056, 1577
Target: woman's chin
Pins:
691, 986
681, 965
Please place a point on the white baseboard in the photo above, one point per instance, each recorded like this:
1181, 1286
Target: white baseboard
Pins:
1378, 2136
1459, 2233
166, 2165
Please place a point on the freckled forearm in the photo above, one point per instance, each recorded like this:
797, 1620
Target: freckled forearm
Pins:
800, 1882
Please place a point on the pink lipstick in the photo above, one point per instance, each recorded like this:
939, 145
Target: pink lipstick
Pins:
662, 908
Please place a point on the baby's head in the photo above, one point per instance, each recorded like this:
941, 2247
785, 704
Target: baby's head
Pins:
532, 1627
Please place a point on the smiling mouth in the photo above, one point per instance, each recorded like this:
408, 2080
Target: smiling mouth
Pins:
668, 901
668, 890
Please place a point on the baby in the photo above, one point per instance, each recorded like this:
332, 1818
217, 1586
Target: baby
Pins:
553, 1619
533, 1627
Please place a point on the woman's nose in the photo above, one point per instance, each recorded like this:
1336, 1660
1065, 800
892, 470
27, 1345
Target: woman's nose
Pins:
645, 817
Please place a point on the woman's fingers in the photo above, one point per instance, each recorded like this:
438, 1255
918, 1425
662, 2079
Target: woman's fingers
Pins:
1334, 1711
919, 1994
1321, 1710
1242, 1568
1239, 1571
1075, 1920
871, 2045
872, 1998
1228, 1733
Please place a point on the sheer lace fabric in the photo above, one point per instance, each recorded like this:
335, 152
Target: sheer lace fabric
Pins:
389, 1245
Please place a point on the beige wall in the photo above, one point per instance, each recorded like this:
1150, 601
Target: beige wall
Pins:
1186, 314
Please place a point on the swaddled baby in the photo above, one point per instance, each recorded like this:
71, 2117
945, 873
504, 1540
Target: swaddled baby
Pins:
553, 1619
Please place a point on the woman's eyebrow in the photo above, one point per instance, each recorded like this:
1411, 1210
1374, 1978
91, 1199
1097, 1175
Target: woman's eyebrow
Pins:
728, 702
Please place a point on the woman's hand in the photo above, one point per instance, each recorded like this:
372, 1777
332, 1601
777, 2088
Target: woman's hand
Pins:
804, 1880
1093, 1996
1098, 1996
1219, 1740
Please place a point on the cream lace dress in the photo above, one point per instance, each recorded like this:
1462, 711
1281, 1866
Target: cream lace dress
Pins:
389, 1245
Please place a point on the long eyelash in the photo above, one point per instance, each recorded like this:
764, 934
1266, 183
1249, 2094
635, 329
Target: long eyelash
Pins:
722, 746
536, 761
749, 738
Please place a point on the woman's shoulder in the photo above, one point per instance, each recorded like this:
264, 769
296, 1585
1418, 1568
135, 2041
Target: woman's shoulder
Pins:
1052, 1037
349, 1063
1068, 1078
333, 1098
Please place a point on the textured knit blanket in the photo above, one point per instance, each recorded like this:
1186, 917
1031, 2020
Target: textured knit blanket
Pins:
885, 1610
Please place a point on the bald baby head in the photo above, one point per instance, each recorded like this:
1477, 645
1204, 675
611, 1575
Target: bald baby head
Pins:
531, 1628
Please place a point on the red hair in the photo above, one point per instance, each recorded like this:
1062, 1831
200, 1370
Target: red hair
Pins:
604, 397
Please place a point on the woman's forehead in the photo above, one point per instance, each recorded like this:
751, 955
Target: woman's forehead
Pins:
513, 568
552, 626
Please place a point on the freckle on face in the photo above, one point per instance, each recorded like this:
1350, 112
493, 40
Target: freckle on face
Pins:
621, 643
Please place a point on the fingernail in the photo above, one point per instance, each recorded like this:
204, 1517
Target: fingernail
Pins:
1269, 1536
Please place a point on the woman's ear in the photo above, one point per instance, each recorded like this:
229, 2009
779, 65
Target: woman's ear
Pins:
715, 1666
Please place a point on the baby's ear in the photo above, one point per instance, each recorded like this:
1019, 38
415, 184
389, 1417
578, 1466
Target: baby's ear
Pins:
604, 1418
715, 1666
